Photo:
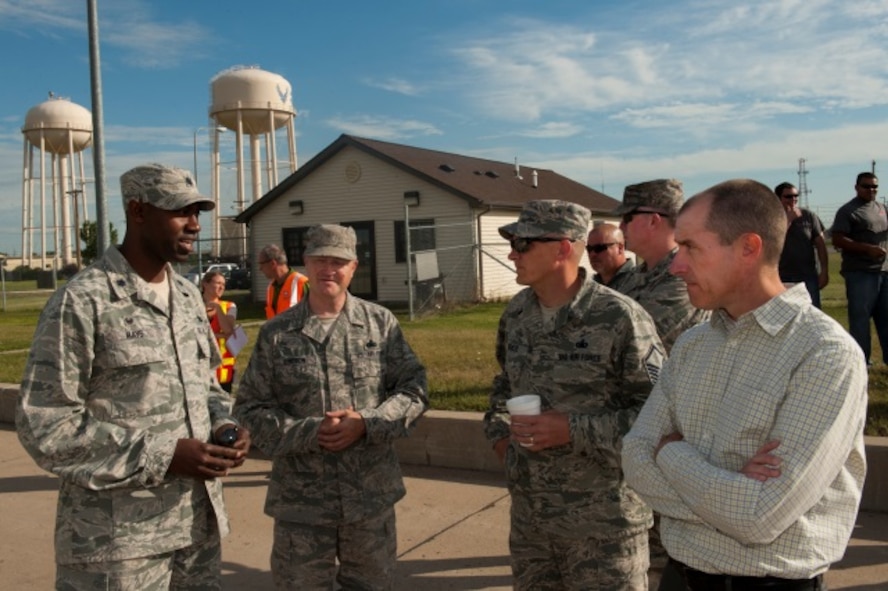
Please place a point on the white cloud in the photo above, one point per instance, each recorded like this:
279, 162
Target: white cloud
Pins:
791, 56
701, 116
553, 129
30, 17
396, 85
384, 128
129, 25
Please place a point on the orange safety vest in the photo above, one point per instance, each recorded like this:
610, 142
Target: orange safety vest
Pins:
285, 297
225, 371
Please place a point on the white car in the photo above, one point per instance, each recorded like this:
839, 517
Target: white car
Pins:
194, 275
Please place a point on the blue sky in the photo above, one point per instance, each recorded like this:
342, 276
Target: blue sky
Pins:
607, 93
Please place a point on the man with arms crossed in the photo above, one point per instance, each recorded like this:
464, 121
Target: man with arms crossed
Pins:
607, 256
751, 444
120, 401
331, 384
592, 355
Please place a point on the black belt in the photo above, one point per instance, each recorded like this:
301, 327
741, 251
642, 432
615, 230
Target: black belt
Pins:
699, 581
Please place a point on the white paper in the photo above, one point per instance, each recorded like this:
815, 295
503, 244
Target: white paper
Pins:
236, 341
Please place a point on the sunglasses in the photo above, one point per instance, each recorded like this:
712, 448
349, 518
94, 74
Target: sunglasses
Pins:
522, 245
598, 248
627, 217
791, 196
869, 186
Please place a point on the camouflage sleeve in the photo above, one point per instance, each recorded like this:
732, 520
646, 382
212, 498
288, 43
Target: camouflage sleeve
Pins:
672, 311
636, 357
406, 390
52, 419
496, 425
272, 429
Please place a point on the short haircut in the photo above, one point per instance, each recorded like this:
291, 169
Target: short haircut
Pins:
744, 206
779, 189
275, 253
865, 176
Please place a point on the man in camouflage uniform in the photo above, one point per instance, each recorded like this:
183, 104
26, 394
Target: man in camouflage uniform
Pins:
330, 385
120, 401
592, 355
649, 211
648, 222
606, 250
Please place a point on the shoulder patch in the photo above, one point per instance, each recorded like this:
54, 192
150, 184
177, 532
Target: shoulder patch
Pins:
653, 361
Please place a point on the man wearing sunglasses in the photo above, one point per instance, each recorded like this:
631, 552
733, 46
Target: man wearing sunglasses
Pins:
860, 232
648, 217
592, 355
648, 213
804, 239
607, 256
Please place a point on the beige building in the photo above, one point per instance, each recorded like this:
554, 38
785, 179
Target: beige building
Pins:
454, 205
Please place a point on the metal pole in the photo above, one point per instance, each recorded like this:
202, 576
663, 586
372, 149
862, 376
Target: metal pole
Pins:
409, 262
199, 254
103, 229
3, 281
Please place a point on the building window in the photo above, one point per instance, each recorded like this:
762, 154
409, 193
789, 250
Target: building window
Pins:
422, 239
294, 245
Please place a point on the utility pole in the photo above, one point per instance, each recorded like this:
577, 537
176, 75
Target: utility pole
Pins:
803, 183
75, 193
103, 227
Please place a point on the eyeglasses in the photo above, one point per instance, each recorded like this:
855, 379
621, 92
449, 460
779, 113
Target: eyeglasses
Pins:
627, 217
869, 186
598, 248
522, 245
790, 196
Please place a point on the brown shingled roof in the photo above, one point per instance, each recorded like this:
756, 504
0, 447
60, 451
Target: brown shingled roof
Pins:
482, 182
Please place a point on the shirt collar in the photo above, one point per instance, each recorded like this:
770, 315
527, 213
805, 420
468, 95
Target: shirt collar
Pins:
771, 316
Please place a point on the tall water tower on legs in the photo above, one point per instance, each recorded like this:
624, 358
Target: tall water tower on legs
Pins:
62, 129
255, 103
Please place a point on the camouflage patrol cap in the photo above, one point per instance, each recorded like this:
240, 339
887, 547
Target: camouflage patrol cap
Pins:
663, 196
164, 187
549, 217
330, 240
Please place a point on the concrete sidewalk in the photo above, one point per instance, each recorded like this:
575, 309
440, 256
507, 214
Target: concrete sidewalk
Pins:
452, 530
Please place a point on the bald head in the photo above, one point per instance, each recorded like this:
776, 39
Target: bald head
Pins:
607, 250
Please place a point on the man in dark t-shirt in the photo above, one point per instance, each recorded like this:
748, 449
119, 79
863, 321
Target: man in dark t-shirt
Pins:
860, 231
804, 238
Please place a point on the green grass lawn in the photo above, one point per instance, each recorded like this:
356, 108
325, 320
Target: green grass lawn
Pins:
457, 348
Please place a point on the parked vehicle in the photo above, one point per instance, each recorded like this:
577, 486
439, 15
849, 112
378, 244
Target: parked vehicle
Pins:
195, 274
238, 279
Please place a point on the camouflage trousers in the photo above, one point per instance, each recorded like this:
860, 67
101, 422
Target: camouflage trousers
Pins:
304, 555
195, 568
542, 561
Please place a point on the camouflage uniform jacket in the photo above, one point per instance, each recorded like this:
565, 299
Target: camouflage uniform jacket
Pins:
624, 276
665, 297
113, 380
297, 372
597, 364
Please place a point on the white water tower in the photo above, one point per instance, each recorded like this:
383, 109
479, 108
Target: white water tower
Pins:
255, 103
62, 130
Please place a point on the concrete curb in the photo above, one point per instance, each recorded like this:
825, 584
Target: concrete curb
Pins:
450, 439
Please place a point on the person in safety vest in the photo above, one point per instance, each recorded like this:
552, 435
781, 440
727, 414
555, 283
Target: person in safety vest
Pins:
287, 286
222, 315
